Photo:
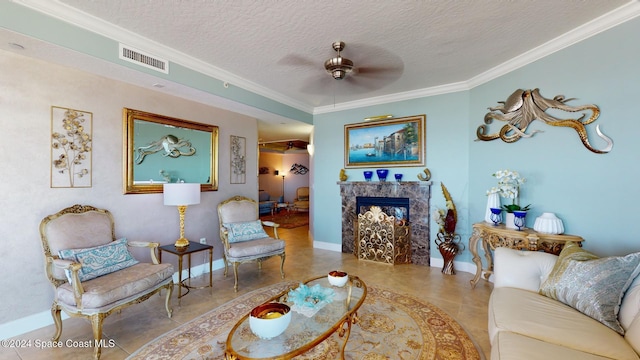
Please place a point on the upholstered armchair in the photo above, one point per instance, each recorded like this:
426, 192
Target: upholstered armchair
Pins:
92, 273
265, 205
243, 236
301, 202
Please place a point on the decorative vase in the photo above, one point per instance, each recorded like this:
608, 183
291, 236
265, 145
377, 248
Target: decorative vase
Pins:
508, 221
448, 245
496, 216
398, 177
368, 175
548, 223
382, 174
519, 219
493, 201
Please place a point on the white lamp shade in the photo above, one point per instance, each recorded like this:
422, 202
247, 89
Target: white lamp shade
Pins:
177, 194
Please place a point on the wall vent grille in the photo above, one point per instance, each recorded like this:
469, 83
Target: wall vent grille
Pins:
135, 56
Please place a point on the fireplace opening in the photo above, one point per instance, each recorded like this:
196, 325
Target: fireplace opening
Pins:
396, 207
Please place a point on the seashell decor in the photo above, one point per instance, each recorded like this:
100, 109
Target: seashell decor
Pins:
548, 223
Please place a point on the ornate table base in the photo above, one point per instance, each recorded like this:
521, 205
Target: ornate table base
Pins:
499, 236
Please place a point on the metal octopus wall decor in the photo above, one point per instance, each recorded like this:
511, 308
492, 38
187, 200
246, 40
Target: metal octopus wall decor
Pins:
171, 146
525, 106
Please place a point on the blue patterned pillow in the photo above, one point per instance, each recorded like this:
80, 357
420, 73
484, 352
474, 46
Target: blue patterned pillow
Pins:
99, 260
243, 231
594, 286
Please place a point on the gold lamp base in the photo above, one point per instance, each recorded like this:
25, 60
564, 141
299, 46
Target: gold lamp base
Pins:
181, 243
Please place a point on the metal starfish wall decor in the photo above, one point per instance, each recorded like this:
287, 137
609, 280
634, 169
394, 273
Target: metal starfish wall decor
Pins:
525, 106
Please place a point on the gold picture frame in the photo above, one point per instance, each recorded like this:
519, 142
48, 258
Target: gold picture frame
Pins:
386, 143
160, 149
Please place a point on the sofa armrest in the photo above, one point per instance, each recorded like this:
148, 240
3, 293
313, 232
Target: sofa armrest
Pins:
522, 269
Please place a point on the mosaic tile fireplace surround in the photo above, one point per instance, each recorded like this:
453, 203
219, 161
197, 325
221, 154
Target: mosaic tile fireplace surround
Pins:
418, 194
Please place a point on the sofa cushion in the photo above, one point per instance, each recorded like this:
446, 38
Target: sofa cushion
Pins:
535, 267
246, 230
590, 285
511, 346
530, 314
99, 260
106, 290
261, 247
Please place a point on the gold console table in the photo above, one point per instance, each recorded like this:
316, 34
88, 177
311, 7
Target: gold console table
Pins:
499, 236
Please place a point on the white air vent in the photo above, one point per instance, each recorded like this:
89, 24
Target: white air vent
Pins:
135, 56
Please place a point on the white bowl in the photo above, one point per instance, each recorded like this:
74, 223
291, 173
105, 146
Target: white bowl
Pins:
548, 223
269, 320
338, 278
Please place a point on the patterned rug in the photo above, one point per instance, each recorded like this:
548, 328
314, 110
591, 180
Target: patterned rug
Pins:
288, 219
391, 326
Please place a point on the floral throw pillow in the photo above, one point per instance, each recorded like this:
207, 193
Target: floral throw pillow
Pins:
594, 286
99, 260
244, 231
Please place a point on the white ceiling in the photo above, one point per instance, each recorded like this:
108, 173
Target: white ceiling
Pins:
278, 48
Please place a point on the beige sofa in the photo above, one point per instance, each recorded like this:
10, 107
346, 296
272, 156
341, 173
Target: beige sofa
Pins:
523, 324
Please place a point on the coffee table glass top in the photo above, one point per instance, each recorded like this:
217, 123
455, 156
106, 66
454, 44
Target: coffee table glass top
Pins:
304, 332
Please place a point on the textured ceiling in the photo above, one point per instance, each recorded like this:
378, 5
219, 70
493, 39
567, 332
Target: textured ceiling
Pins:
397, 46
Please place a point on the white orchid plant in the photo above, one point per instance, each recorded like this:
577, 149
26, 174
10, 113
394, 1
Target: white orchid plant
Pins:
509, 187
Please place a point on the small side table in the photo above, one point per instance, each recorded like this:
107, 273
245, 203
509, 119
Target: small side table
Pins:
193, 247
499, 236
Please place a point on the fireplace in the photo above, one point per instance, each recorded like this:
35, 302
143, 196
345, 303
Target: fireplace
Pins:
414, 196
397, 207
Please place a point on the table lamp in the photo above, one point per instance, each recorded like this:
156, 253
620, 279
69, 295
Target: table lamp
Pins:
181, 195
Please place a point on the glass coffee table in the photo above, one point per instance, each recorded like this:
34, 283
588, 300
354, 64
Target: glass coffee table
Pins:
304, 332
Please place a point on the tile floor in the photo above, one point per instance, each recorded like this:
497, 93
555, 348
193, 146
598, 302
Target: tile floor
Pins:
136, 325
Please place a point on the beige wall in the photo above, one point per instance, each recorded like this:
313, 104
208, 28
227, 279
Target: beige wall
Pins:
28, 89
283, 162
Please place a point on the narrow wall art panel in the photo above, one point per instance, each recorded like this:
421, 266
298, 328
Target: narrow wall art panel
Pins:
71, 148
238, 159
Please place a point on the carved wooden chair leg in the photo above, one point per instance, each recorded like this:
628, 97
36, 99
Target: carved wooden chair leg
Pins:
282, 266
235, 275
57, 319
259, 264
226, 265
96, 325
167, 301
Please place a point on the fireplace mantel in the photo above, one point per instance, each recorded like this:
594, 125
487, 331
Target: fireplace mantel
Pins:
419, 195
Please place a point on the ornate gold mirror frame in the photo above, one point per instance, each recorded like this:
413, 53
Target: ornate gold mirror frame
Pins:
160, 149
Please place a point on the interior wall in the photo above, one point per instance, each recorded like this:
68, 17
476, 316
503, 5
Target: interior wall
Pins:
28, 89
587, 190
270, 182
283, 163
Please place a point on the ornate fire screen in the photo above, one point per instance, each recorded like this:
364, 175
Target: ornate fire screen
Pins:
382, 239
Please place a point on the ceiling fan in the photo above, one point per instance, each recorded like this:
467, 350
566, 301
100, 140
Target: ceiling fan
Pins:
368, 68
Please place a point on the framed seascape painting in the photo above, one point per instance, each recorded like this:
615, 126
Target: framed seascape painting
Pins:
386, 143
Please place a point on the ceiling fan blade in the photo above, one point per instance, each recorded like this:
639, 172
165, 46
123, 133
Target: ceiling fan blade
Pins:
386, 71
298, 60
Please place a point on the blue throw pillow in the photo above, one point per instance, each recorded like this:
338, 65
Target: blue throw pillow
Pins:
243, 231
99, 260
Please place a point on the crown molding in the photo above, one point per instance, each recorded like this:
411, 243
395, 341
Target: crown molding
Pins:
91, 23
96, 25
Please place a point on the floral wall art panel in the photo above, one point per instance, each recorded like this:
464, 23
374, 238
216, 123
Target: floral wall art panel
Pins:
71, 145
238, 159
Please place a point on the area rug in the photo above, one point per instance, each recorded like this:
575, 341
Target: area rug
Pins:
288, 219
391, 326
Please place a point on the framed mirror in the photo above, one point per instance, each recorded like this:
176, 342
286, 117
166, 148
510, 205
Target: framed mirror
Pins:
160, 149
